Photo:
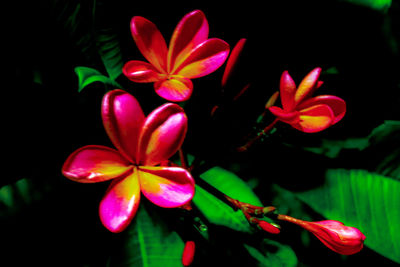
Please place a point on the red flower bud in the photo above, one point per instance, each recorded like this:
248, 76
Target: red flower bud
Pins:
188, 253
266, 226
342, 239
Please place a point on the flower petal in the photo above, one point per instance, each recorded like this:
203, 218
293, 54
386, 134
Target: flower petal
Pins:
175, 89
233, 60
122, 118
162, 134
337, 105
150, 42
120, 203
307, 85
204, 59
314, 119
141, 72
287, 89
190, 32
91, 164
167, 187
284, 116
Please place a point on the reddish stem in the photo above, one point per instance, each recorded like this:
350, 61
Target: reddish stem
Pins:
258, 136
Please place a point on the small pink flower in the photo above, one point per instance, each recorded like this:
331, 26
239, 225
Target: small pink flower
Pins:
303, 112
342, 239
190, 55
142, 144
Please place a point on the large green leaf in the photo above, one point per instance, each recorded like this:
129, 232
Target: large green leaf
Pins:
149, 243
272, 253
379, 142
88, 76
215, 210
365, 200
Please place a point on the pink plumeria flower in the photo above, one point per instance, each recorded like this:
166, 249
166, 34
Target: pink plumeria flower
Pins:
190, 55
142, 144
342, 239
303, 112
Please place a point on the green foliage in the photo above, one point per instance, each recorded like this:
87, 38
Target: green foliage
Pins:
216, 211
109, 48
148, 243
87, 76
365, 200
380, 5
272, 253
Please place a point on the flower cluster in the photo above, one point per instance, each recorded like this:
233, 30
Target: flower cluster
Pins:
144, 144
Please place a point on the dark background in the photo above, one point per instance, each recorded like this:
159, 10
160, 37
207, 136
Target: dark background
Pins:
45, 118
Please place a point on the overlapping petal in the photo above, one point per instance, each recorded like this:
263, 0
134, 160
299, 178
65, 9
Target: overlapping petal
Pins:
123, 118
141, 72
150, 42
176, 89
120, 203
167, 187
190, 32
337, 105
204, 59
162, 134
283, 115
91, 164
307, 85
314, 119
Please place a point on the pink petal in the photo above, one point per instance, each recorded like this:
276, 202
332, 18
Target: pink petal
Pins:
150, 42
122, 118
204, 59
162, 134
120, 203
190, 32
175, 89
91, 164
287, 90
337, 105
314, 119
284, 116
307, 85
233, 60
141, 72
167, 187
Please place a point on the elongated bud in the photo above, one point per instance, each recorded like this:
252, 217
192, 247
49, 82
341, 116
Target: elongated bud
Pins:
271, 101
342, 239
188, 253
268, 227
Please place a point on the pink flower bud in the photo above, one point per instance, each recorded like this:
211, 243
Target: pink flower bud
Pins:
335, 235
188, 253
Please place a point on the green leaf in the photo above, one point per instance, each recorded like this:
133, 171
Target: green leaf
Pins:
88, 76
379, 142
110, 52
149, 243
230, 184
367, 201
216, 211
380, 5
273, 253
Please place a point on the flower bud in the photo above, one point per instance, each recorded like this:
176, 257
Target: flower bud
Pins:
268, 227
335, 235
188, 253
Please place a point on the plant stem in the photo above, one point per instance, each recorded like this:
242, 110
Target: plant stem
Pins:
246, 146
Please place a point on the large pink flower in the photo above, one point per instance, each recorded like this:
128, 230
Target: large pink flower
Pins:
142, 144
190, 55
303, 112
